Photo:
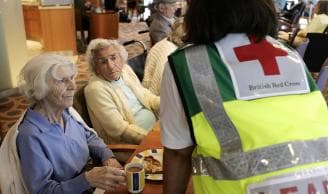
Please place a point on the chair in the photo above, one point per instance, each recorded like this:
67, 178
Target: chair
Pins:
131, 7
316, 51
122, 151
293, 32
137, 63
82, 23
80, 103
326, 30
288, 19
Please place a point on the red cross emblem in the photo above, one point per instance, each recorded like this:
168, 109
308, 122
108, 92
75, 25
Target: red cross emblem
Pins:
263, 51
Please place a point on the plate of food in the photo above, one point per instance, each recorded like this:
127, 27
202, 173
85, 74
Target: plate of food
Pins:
152, 159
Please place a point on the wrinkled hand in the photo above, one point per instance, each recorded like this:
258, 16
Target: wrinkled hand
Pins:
112, 162
107, 177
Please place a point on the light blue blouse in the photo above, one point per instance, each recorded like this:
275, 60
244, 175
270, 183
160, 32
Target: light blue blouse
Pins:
52, 158
143, 117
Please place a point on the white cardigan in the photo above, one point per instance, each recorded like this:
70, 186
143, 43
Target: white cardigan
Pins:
109, 111
11, 180
155, 63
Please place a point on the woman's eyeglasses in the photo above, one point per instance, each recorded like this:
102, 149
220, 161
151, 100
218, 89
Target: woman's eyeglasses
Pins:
105, 60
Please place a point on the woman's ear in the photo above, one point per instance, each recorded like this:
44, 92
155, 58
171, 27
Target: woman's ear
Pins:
161, 7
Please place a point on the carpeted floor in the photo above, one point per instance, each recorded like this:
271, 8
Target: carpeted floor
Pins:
12, 107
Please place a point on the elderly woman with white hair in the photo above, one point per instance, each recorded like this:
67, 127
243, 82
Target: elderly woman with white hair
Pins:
120, 108
53, 143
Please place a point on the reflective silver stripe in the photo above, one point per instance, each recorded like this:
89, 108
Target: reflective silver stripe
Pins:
240, 165
210, 100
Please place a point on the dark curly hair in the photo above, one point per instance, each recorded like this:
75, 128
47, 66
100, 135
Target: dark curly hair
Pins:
210, 20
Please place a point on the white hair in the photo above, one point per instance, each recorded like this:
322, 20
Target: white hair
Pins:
99, 44
35, 74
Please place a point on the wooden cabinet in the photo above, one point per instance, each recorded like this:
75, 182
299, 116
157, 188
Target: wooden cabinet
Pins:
58, 28
54, 26
104, 25
32, 22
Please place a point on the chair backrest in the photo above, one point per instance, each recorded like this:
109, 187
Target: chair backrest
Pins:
326, 30
294, 34
316, 51
80, 104
288, 5
294, 13
137, 63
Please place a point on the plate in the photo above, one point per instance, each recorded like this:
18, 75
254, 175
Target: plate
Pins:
157, 156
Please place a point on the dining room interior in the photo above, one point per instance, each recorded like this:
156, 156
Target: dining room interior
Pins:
32, 27
55, 27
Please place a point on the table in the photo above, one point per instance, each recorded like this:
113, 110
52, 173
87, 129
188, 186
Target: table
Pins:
152, 140
104, 25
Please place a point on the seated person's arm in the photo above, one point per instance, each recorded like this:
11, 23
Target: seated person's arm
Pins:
99, 151
157, 79
287, 36
315, 25
37, 170
150, 65
102, 106
283, 35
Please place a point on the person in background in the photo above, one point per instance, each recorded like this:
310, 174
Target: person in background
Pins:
157, 57
120, 108
162, 19
229, 106
82, 17
317, 24
111, 5
53, 143
131, 7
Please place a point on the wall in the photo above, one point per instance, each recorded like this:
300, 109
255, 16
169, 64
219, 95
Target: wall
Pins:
13, 51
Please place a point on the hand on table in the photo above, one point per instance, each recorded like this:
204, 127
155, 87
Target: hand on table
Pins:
112, 162
108, 178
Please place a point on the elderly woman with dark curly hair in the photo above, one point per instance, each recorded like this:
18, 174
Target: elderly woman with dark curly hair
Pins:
53, 142
120, 109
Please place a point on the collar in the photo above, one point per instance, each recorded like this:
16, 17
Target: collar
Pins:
40, 121
170, 20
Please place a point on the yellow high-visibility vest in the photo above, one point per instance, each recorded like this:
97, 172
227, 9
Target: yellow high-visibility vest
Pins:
271, 137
